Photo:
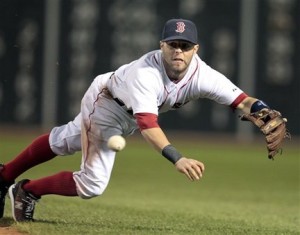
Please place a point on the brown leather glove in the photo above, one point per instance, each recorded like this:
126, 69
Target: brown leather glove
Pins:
272, 125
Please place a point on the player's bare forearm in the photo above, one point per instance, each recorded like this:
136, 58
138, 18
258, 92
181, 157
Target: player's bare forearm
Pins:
156, 137
192, 168
246, 104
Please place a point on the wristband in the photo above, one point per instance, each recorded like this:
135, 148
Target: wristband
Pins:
258, 105
170, 153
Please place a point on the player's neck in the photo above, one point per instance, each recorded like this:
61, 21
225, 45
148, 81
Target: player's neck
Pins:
175, 77
174, 80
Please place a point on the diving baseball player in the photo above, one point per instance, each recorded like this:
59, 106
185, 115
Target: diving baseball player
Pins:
118, 103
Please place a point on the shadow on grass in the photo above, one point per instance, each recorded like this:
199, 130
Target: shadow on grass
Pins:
113, 227
6, 222
43, 221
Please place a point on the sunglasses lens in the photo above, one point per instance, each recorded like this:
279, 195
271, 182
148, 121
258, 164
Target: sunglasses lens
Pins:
185, 46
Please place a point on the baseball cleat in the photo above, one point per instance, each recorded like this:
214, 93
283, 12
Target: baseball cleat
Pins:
22, 202
3, 191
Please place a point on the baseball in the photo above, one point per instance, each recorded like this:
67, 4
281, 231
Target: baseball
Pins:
116, 143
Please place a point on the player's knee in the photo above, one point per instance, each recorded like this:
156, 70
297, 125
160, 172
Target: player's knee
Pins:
88, 188
88, 194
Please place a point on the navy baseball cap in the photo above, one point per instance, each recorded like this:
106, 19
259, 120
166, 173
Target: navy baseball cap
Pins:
180, 29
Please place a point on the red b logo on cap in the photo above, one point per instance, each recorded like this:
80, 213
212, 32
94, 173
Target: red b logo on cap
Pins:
180, 27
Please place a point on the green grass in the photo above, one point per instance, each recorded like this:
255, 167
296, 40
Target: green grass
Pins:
242, 192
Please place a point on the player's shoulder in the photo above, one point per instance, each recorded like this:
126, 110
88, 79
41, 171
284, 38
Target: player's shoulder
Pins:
199, 60
147, 66
149, 63
151, 59
147, 60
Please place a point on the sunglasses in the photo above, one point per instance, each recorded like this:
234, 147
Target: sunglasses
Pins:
184, 46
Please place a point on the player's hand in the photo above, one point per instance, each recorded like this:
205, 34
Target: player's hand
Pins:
193, 169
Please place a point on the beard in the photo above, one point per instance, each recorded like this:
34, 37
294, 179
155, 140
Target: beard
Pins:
175, 70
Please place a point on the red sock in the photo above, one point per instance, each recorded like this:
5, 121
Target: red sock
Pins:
37, 152
60, 184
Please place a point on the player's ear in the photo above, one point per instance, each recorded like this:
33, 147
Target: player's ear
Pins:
161, 44
196, 48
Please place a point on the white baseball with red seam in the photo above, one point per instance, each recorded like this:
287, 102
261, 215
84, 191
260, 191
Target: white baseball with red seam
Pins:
116, 143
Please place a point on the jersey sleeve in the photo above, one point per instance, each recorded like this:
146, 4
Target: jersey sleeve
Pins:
143, 89
217, 87
146, 120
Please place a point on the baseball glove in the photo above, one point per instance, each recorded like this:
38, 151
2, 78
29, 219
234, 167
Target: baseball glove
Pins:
272, 125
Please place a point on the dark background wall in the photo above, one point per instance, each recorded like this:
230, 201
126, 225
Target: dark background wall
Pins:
97, 36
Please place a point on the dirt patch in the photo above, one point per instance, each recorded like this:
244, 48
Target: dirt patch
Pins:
6, 227
9, 231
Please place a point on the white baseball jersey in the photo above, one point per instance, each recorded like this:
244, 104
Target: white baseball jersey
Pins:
143, 87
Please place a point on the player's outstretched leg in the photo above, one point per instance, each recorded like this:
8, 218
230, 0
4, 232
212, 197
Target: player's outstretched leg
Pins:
22, 202
26, 193
37, 152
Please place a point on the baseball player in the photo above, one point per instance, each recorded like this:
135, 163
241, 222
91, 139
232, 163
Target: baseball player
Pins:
118, 103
